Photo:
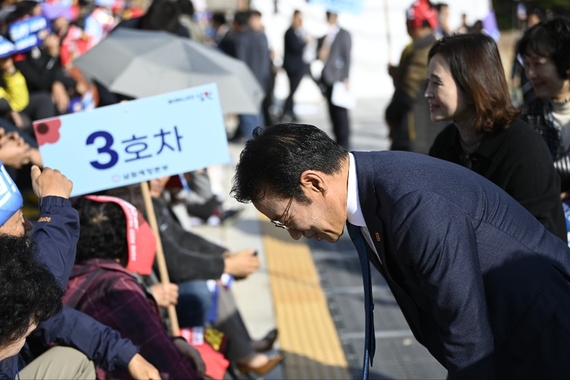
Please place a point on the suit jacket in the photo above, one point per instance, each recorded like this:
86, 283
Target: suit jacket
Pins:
293, 52
253, 49
478, 278
337, 66
188, 256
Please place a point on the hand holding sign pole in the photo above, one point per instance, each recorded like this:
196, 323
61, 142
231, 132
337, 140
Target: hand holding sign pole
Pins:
134, 142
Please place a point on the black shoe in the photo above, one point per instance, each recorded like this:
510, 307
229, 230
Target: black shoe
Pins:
266, 343
230, 215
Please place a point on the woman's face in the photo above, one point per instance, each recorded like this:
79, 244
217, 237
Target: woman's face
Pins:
446, 100
544, 77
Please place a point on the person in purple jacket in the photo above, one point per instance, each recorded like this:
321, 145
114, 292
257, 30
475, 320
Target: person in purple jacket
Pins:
34, 272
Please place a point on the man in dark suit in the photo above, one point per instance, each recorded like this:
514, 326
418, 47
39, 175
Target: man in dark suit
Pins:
295, 42
482, 284
334, 51
250, 46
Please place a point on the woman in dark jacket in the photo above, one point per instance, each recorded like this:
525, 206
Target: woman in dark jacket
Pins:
467, 85
546, 57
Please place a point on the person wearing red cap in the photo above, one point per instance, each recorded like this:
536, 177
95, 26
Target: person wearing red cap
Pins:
409, 76
114, 239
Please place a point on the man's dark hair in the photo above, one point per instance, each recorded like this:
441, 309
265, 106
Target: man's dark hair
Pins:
219, 18
241, 18
476, 67
102, 231
538, 13
29, 293
186, 7
330, 14
162, 15
276, 156
549, 39
440, 6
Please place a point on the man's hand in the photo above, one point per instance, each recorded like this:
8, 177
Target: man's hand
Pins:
14, 154
139, 368
191, 353
165, 294
241, 264
50, 183
36, 157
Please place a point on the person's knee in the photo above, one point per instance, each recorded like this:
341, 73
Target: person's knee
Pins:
60, 363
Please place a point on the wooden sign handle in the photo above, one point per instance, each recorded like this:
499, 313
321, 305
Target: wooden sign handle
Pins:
162, 268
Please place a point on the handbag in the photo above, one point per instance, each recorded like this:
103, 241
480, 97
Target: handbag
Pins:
212, 345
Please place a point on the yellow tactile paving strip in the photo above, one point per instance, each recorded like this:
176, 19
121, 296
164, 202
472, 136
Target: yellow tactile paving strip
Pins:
307, 334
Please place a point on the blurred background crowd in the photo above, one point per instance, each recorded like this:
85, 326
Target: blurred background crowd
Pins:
39, 44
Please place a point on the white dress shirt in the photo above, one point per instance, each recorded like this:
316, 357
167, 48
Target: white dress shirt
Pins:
354, 211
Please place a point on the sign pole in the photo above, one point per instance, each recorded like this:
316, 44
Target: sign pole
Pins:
162, 268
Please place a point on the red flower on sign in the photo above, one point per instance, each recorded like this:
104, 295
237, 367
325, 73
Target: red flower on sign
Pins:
47, 131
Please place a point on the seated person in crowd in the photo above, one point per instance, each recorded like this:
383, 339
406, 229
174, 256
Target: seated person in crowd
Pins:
194, 201
47, 82
101, 286
53, 245
14, 96
15, 151
18, 146
191, 260
30, 295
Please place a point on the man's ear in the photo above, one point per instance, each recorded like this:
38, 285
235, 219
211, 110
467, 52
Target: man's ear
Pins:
313, 181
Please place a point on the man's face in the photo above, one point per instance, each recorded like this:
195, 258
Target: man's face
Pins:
443, 14
17, 225
297, 20
14, 348
255, 23
532, 20
331, 18
323, 219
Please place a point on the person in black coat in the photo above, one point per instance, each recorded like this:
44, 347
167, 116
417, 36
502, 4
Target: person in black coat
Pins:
295, 42
467, 85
